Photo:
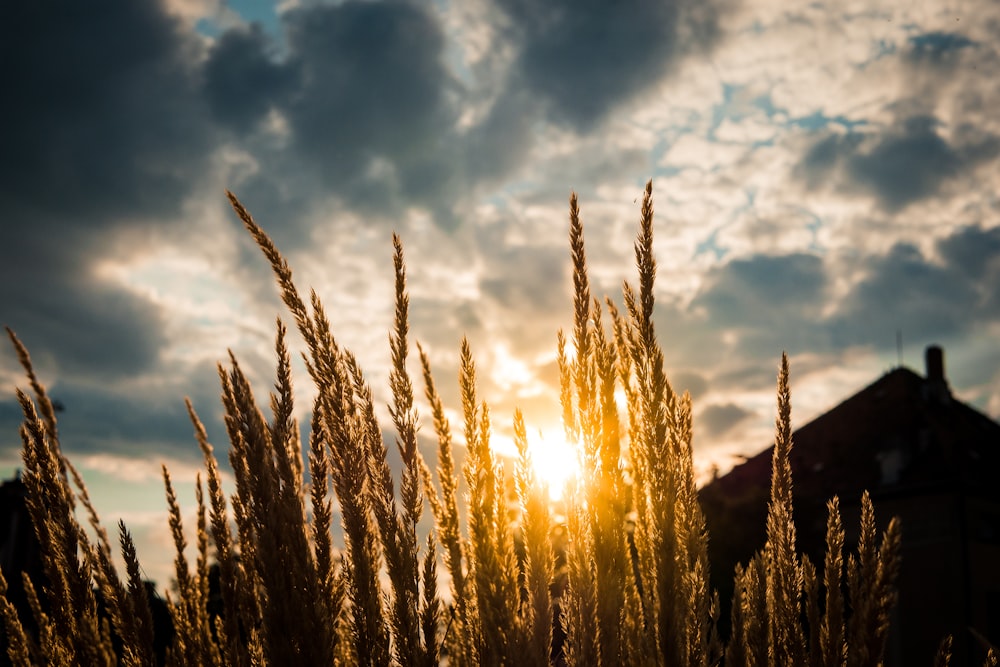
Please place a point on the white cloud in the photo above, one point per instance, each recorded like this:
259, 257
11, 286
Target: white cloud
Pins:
134, 470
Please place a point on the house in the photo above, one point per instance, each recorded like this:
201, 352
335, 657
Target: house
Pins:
925, 457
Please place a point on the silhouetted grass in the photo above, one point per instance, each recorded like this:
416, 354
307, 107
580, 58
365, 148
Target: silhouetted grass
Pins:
633, 589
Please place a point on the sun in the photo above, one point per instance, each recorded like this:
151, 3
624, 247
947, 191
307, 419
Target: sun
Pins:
554, 461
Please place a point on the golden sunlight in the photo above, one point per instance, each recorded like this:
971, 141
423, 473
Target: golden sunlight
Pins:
555, 461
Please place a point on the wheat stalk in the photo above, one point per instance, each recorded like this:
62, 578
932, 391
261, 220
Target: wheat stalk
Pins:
624, 581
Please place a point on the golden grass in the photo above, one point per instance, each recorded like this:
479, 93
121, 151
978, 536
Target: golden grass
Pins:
627, 586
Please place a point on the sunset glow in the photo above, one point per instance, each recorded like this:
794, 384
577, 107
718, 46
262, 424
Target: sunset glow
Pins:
555, 461
826, 179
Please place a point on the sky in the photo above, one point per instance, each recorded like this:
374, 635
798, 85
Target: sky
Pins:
825, 179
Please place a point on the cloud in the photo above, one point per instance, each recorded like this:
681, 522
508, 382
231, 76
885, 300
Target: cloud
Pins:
913, 163
938, 47
818, 163
364, 108
359, 105
909, 291
244, 80
762, 304
691, 382
81, 324
105, 130
140, 470
899, 166
719, 419
464, 128
372, 86
763, 290
103, 112
587, 59
973, 251
127, 421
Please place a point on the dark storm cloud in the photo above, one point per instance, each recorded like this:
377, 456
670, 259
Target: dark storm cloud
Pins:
913, 162
763, 290
244, 80
82, 325
905, 290
774, 303
497, 145
102, 113
372, 82
586, 58
370, 110
905, 164
973, 251
104, 127
716, 420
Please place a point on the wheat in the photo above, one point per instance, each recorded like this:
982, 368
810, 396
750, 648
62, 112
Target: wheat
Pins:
620, 579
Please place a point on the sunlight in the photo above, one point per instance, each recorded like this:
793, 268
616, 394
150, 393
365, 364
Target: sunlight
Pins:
509, 371
554, 460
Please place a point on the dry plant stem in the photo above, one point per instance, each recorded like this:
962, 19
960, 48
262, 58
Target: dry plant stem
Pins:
833, 648
593, 374
656, 484
322, 511
487, 525
287, 568
885, 591
350, 481
281, 271
784, 579
17, 640
943, 657
538, 566
636, 567
234, 595
190, 619
44, 402
341, 393
138, 597
430, 607
737, 652
50, 505
446, 520
810, 585
98, 558
398, 531
579, 603
50, 648
871, 580
755, 611
593, 418
325, 365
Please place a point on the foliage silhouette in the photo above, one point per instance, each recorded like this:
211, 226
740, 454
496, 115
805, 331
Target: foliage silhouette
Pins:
634, 558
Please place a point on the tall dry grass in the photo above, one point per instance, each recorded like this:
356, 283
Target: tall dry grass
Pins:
627, 586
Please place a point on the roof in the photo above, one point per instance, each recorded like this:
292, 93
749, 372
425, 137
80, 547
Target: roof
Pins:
902, 434
909, 442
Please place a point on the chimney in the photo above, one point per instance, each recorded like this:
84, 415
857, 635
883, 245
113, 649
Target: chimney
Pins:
934, 358
937, 384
